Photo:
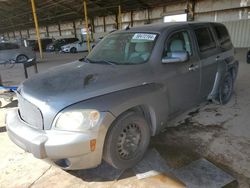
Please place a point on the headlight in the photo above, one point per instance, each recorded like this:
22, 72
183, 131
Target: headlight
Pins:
79, 120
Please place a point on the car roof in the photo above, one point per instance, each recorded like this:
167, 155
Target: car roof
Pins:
158, 28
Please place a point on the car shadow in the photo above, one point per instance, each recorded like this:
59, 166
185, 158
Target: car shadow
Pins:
159, 159
102, 173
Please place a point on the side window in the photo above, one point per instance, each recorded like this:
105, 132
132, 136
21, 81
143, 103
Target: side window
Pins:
178, 42
205, 39
2, 46
223, 36
10, 46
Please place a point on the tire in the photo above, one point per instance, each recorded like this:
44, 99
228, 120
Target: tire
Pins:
129, 132
226, 89
73, 50
22, 58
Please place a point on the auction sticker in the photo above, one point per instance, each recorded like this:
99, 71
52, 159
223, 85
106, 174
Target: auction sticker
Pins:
144, 36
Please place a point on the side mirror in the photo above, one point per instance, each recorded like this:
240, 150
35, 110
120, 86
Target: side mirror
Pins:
176, 57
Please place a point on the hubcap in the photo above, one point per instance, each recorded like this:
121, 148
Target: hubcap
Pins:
21, 59
128, 141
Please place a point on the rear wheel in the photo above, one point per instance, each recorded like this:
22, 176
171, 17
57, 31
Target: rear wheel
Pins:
127, 141
73, 50
226, 89
22, 58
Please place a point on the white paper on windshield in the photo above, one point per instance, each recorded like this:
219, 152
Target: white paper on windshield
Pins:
144, 36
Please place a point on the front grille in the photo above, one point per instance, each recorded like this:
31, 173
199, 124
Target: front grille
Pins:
30, 113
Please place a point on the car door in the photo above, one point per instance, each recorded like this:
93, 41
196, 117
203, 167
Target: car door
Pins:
82, 46
182, 79
8, 51
209, 58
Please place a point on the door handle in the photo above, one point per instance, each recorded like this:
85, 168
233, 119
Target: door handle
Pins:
193, 67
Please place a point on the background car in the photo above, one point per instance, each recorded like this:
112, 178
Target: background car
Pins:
76, 47
57, 44
44, 43
13, 51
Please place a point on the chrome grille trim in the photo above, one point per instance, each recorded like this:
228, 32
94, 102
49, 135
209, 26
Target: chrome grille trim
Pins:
29, 113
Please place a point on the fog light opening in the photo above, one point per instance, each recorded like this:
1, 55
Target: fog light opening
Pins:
64, 163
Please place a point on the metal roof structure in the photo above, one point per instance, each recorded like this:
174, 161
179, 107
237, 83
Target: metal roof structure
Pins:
17, 14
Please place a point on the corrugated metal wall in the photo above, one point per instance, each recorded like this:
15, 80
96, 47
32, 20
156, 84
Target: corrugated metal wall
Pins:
235, 14
240, 32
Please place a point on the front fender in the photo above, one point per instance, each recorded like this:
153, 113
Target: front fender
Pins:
151, 96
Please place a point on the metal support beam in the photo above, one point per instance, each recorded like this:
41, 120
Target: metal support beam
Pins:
104, 24
86, 23
74, 28
59, 29
20, 33
28, 33
47, 31
8, 35
37, 27
190, 10
117, 21
92, 28
131, 18
119, 17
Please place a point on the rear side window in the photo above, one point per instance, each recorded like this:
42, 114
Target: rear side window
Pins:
223, 36
8, 46
205, 39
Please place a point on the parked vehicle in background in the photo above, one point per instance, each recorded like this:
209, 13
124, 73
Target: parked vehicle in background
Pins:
129, 87
77, 47
44, 42
30, 43
34, 43
15, 52
57, 44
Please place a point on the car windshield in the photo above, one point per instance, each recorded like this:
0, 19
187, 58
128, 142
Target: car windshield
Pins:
123, 49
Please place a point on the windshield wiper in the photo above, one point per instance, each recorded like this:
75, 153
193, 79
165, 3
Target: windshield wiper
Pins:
87, 60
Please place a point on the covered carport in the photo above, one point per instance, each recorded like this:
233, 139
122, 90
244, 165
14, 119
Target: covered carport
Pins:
208, 146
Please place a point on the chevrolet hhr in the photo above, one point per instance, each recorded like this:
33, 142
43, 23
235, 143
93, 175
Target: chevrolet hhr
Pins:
107, 105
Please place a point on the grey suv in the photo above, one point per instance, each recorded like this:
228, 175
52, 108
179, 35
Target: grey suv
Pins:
109, 104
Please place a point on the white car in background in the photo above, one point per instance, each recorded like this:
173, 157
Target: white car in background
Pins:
76, 47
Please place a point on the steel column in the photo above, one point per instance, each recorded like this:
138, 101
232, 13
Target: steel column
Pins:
37, 27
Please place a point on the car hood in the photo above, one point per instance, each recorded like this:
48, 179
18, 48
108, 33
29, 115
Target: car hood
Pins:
74, 82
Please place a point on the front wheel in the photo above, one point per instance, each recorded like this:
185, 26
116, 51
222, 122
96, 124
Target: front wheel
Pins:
73, 50
226, 89
127, 141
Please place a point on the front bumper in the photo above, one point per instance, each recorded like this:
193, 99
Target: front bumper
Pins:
74, 147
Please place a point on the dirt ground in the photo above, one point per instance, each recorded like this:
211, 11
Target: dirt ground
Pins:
218, 133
